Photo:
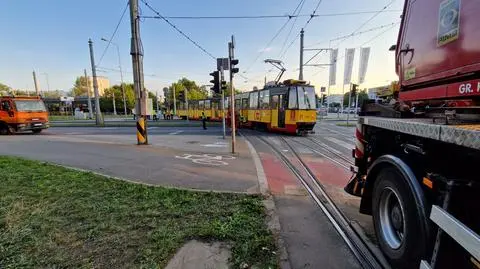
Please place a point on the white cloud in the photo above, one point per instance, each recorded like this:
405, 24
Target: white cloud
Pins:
267, 49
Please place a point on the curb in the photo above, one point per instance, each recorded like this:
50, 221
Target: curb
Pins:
141, 183
273, 222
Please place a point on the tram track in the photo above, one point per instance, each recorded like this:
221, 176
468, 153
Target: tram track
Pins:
291, 159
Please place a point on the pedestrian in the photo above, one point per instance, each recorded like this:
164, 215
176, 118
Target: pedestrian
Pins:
204, 121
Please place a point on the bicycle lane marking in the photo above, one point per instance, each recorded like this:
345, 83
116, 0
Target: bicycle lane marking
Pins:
206, 159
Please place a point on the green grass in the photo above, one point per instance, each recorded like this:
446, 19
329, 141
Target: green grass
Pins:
133, 124
53, 217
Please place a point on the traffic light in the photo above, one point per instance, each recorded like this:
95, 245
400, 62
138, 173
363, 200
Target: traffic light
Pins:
224, 85
181, 97
354, 89
233, 63
215, 81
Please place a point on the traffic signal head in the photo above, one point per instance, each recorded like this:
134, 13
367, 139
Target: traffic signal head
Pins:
181, 96
233, 63
215, 81
354, 89
224, 85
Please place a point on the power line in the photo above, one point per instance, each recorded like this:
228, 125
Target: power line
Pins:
265, 16
356, 34
305, 26
369, 20
268, 44
299, 8
178, 30
114, 32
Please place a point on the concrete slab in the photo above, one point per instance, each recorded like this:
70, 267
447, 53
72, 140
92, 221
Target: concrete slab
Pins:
199, 255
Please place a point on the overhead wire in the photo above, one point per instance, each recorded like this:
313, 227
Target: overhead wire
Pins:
305, 26
178, 30
369, 20
265, 16
114, 33
268, 44
299, 8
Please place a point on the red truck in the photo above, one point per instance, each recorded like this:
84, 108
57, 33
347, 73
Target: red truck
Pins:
416, 158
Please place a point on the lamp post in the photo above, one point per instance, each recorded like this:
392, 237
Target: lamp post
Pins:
121, 75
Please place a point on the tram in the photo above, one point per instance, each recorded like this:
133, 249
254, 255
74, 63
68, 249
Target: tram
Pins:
288, 107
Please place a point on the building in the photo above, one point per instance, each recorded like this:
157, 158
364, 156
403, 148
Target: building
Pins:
334, 98
103, 83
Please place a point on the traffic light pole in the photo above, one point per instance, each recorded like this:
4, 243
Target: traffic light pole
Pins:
349, 103
223, 103
232, 93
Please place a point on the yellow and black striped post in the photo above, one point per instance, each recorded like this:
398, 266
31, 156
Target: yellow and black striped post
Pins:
142, 138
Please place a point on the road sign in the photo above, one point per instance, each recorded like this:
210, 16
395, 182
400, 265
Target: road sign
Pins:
222, 63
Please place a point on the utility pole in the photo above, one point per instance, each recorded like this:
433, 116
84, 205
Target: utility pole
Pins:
186, 102
156, 98
98, 112
37, 90
114, 106
90, 116
300, 75
137, 65
174, 102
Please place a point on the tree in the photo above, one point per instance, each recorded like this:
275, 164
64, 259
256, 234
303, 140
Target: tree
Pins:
106, 101
4, 88
362, 95
80, 87
194, 91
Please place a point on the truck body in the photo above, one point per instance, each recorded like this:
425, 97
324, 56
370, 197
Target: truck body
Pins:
22, 113
416, 158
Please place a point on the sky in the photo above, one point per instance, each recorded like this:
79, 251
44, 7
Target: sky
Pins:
51, 37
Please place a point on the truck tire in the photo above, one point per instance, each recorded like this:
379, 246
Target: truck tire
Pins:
397, 221
4, 130
37, 131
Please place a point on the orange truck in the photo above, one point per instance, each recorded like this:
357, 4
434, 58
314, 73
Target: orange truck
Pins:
22, 113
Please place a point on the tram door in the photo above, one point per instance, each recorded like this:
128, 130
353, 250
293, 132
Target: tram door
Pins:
283, 104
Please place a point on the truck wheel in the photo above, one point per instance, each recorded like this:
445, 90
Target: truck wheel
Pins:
397, 221
37, 131
4, 130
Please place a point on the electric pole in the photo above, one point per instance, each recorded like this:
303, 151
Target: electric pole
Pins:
300, 75
174, 103
98, 112
114, 106
37, 90
90, 116
137, 65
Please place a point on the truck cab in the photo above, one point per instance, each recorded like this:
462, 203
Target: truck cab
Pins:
22, 113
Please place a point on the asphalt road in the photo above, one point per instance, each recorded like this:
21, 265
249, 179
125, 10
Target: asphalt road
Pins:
174, 157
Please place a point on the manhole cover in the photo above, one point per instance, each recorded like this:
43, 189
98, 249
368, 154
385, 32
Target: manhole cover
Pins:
193, 142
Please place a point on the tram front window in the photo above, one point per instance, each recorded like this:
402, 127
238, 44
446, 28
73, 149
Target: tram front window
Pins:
306, 98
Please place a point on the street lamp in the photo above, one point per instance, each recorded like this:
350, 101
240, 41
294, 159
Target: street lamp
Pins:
121, 76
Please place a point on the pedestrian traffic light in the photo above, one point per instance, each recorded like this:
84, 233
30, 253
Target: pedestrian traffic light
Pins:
354, 89
181, 97
224, 85
215, 81
233, 63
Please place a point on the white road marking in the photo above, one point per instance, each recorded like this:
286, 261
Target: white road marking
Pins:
206, 159
340, 142
175, 133
151, 128
216, 145
109, 128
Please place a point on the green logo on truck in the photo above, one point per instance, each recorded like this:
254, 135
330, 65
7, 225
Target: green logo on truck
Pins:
448, 22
